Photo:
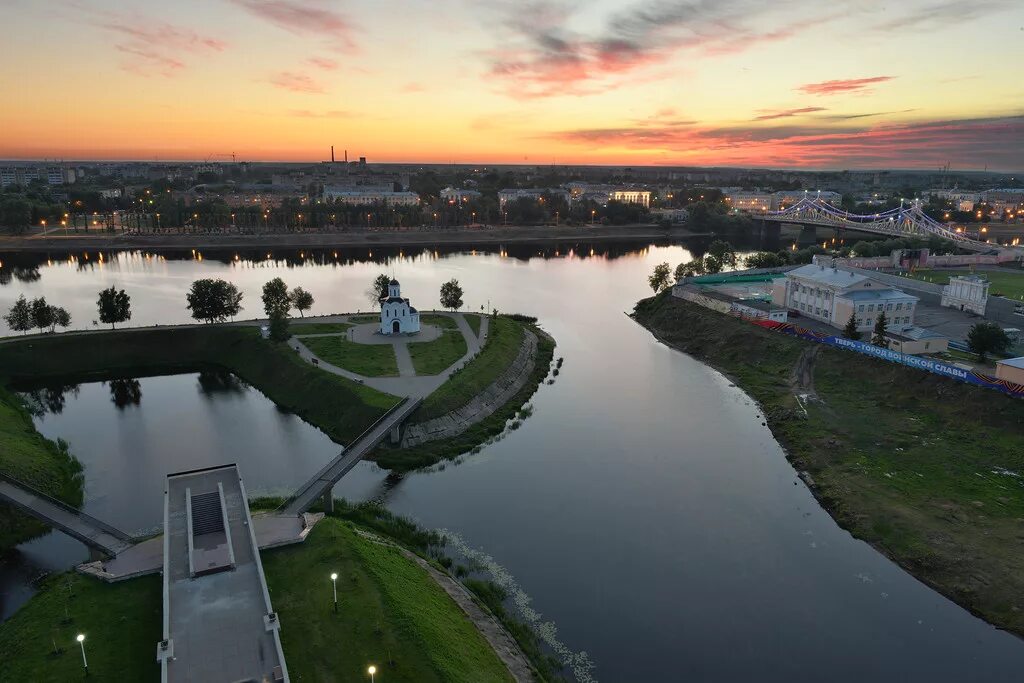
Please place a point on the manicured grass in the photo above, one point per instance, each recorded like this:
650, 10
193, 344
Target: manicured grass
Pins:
121, 623
390, 614
503, 342
371, 360
474, 323
28, 456
340, 407
404, 459
359, 319
298, 329
442, 321
1004, 283
925, 468
431, 358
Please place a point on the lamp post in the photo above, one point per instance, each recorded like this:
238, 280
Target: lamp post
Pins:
81, 642
334, 585
372, 670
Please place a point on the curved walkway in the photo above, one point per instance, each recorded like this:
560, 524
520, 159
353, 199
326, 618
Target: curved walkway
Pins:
408, 383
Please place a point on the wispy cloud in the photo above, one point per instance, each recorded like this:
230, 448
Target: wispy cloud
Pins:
786, 113
842, 86
323, 63
542, 55
996, 141
296, 82
312, 18
152, 47
942, 14
865, 115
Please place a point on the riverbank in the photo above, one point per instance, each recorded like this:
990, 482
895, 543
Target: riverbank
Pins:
28, 456
925, 469
355, 238
392, 613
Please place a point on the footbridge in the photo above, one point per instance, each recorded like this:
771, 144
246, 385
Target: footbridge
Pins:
75, 523
321, 484
905, 221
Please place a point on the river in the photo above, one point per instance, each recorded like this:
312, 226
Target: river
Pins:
644, 509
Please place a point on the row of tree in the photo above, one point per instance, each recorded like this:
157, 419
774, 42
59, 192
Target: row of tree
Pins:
26, 315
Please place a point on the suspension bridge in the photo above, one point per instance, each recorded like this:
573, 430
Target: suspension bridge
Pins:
904, 221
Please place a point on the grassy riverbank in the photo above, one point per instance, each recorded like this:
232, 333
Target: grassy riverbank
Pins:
391, 614
29, 457
503, 343
926, 469
369, 360
340, 407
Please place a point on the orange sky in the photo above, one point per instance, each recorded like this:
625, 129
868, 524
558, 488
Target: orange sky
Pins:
703, 82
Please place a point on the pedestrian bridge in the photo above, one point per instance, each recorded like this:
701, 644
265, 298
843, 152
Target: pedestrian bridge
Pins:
87, 529
321, 483
905, 221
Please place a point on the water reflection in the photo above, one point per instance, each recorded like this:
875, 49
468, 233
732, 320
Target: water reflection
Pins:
220, 382
49, 399
125, 392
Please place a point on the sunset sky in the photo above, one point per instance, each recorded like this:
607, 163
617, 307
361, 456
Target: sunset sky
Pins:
790, 83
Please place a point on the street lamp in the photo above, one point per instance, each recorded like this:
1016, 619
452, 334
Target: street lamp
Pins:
334, 584
372, 671
81, 642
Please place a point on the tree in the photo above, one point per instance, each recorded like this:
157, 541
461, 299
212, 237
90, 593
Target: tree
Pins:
712, 264
42, 313
279, 328
724, 252
851, 331
301, 300
451, 295
881, 327
19, 319
114, 306
378, 289
692, 268
659, 279
275, 298
213, 300
985, 338
764, 259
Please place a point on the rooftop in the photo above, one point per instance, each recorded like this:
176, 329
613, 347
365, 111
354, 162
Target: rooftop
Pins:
915, 334
830, 277
874, 294
1012, 362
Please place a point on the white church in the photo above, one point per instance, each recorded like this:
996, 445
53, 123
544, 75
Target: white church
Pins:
396, 315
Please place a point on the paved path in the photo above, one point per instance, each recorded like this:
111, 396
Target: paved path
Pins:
408, 383
88, 530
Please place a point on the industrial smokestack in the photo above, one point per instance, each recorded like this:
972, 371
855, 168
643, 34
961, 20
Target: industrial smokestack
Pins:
332, 154
346, 157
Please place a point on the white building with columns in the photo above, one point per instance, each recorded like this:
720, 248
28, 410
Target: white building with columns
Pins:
396, 315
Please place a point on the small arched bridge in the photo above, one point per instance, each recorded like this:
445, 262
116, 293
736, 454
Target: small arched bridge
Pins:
905, 221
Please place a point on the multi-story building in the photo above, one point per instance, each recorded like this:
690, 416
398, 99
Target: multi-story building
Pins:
459, 196
831, 295
750, 202
511, 195
627, 196
786, 198
367, 197
967, 293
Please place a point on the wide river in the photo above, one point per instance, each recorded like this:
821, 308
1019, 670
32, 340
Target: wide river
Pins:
644, 513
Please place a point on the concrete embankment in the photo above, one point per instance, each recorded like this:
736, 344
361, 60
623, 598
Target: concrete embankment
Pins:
483, 405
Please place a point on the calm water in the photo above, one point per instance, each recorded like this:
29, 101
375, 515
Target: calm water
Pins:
643, 508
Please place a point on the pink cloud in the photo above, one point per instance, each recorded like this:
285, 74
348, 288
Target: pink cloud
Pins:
843, 85
413, 87
995, 141
785, 113
323, 63
309, 18
296, 82
155, 47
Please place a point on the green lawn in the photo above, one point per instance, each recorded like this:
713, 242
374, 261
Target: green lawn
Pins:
442, 321
298, 329
502, 345
371, 360
359, 319
390, 610
121, 623
391, 614
1006, 284
474, 323
431, 358
924, 468
26, 455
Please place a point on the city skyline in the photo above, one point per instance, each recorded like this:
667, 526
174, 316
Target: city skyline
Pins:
700, 83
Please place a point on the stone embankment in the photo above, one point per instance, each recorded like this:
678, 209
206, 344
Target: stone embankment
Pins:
508, 384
